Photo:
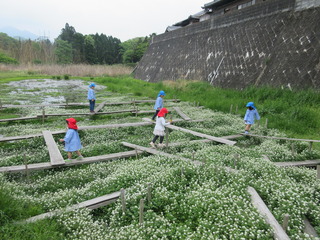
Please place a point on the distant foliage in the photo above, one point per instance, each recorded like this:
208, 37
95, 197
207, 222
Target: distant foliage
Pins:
133, 49
76, 48
7, 60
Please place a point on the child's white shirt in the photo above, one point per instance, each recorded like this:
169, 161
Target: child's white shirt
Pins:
160, 124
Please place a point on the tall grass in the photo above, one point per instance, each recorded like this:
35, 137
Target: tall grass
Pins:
79, 70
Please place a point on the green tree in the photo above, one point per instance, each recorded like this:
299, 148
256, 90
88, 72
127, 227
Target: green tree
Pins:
89, 50
63, 52
133, 49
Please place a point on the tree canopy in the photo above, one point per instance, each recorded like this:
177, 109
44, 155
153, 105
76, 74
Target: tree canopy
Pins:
74, 47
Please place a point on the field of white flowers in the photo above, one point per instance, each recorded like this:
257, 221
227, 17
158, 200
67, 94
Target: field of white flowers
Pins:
188, 201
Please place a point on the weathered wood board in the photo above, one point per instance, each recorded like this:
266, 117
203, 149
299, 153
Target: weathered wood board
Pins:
88, 160
91, 204
54, 152
184, 116
278, 231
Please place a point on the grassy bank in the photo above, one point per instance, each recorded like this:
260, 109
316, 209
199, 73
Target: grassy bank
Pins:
294, 112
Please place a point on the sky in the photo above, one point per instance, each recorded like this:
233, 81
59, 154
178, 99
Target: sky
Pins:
124, 19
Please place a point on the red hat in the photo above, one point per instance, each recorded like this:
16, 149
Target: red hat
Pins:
162, 112
72, 123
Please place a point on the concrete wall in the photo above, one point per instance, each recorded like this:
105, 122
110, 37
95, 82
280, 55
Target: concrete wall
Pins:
268, 43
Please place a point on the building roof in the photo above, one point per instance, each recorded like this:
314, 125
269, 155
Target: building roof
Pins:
216, 3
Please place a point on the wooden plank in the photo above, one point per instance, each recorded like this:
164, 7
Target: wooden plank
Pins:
156, 152
184, 116
91, 204
54, 152
74, 162
17, 119
46, 105
279, 233
306, 163
6, 139
101, 105
280, 138
309, 229
203, 140
83, 104
217, 139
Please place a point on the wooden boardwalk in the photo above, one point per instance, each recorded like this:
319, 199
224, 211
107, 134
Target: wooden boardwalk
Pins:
184, 116
156, 152
216, 139
91, 204
83, 104
74, 162
280, 138
278, 231
306, 163
116, 125
17, 119
54, 152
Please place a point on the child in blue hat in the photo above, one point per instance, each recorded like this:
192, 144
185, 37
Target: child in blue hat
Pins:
159, 103
92, 97
251, 115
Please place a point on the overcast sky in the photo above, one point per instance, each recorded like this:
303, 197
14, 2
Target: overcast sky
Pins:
124, 19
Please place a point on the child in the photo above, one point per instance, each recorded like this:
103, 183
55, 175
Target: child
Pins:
159, 103
72, 139
251, 114
159, 128
91, 97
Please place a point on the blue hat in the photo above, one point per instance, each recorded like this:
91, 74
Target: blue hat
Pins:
161, 93
251, 104
92, 85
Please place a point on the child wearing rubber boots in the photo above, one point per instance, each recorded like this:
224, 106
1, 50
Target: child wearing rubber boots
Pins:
250, 116
159, 103
72, 140
159, 129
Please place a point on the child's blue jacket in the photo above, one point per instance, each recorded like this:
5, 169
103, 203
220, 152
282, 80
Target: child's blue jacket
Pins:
72, 141
251, 115
158, 104
91, 94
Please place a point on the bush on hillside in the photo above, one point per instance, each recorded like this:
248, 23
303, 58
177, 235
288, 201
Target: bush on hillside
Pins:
7, 60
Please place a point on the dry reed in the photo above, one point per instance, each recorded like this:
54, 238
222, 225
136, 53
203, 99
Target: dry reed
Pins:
80, 70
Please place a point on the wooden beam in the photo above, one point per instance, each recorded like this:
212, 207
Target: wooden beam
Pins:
185, 117
217, 139
83, 104
54, 152
306, 163
279, 233
156, 152
101, 105
87, 160
280, 138
91, 204
309, 229
46, 105
17, 119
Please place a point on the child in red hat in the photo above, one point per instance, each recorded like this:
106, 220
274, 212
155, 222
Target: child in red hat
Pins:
160, 127
72, 140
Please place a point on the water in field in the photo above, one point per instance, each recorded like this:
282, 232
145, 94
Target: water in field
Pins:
48, 91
